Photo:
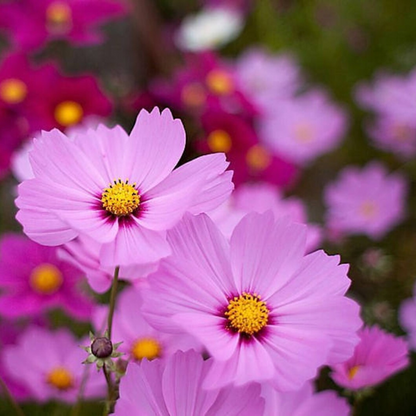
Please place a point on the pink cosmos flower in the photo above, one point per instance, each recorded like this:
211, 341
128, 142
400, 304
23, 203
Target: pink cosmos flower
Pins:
33, 23
394, 127
266, 78
305, 127
153, 388
407, 318
33, 280
140, 340
249, 159
49, 365
303, 402
366, 201
261, 197
263, 309
377, 357
117, 189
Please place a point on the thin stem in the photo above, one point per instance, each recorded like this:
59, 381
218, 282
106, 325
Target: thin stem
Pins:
110, 389
16, 407
112, 302
77, 408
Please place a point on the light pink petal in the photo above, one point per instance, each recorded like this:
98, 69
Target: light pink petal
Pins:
133, 245
156, 144
265, 253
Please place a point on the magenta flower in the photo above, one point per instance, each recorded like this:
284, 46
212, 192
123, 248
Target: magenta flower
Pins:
407, 318
117, 189
377, 357
140, 340
33, 280
304, 127
249, 159
366, 201
263, 309
33, 23
394, 126
303, 402
49, 365
153, 388
261, 197
266, 78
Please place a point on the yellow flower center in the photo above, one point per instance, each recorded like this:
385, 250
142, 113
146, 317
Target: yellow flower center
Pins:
59, 16
68, 113
247, 314
146, 348
121, 198
193, 95
219, 141
60, 378
219, 82
13, 91
303, 133
368, 209
258, 158
353, 371
46, 279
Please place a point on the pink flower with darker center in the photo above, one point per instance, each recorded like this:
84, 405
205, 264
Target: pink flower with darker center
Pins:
117, 189
377, 357
263, 310
175, 387
35, 280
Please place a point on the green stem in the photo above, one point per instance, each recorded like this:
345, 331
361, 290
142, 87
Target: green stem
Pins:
16, 407
112, 302
77, 408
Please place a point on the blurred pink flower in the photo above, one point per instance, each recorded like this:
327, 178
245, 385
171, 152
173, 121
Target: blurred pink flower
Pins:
407, 318
304, 127
140, 340
266, 78
303, 402
49, 365
33, 280
390, 98
249, 159
261, 197
263, 310
377, 357
366, 200
117, 189
153, 388
33, 23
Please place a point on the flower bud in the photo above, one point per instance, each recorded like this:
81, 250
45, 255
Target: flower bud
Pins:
102, 347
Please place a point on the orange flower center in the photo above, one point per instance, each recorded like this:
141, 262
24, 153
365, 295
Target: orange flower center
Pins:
60, 378
46, 279
258, 158
68, 113
193, 95
121, 198
146, 348
13, 91
219, 141
219, 82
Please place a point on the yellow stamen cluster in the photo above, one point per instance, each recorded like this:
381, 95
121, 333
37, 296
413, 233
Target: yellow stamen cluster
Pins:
304, 133
120, 198
59, 13
61, 378
193, 94
68, 113
46, 279
368, 209
219, 141
219, 82
258, 158
13, 91
247, 314
353, 371
146, 348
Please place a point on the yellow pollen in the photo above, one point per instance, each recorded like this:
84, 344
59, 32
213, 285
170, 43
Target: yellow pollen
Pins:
58, 16
121, 198
193, 95
219, 141
60, 378
247, 314
303, 133
219, 82
68, 113
368, 209
146, 348
46, 279
13, 91
258, 158
353, 371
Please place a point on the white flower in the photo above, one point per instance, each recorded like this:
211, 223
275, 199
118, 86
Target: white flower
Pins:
209, 29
